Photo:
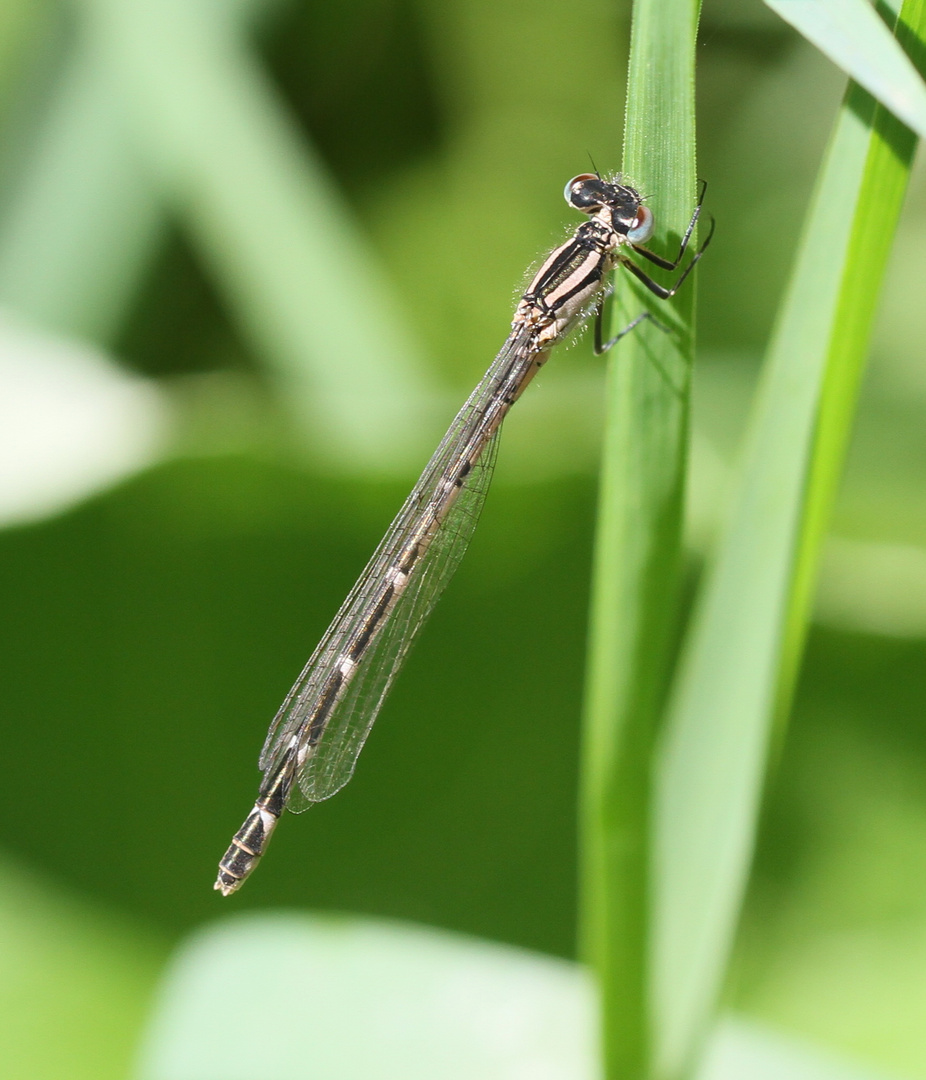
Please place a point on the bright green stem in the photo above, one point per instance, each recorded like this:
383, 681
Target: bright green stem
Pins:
635, 596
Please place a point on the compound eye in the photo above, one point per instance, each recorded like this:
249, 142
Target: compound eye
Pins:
578, 194
641, 228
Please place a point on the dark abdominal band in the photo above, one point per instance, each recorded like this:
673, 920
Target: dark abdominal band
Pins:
324, 707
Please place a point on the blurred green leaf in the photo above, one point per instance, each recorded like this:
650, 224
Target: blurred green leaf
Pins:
84, 221
636, 583
287, 997
296, 272
73, 421
856, 39
748, 630
740, 1049
75, 983
315, 997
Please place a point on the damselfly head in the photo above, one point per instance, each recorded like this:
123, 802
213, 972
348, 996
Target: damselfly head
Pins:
588, 192
591, 194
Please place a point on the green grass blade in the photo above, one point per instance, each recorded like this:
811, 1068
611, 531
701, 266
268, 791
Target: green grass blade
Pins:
857, 40
84, 220
746, 637
636, 575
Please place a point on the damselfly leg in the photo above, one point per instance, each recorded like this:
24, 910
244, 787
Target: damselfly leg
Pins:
654, 287
603, 346
666, 264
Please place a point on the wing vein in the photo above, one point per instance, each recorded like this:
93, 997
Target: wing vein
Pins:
331, 708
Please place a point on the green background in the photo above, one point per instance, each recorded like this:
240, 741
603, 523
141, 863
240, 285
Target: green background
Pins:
149, 633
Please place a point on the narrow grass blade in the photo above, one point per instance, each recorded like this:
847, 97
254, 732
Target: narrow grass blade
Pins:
746, 637
270, 224
856, 39
84, 220
635, 595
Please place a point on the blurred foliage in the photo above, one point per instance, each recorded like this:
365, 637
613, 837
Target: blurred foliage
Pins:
150, 633
195, 591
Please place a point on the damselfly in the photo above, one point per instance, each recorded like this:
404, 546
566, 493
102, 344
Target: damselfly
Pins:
316, 737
